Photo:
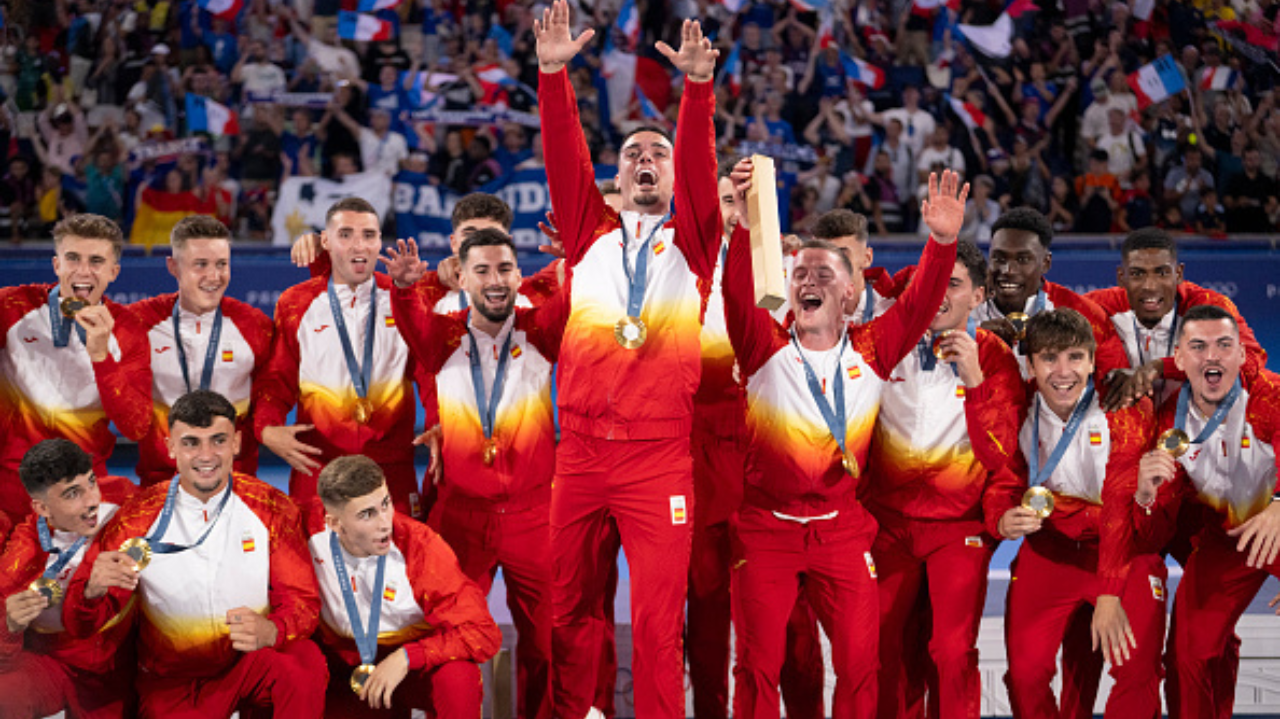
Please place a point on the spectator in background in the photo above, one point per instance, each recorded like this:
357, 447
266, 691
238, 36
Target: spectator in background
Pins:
514, 148
939, 152
63, 130
105, 183
259, 151
1210, 215
18, 199
981, 211
1185, 183
381, 148
768, 112
301, 145
481, 167
917, 124
1029, 176
1126, 150
1063, 205
256, 74
1251, 197
330, 56
1137, 208
1099, 194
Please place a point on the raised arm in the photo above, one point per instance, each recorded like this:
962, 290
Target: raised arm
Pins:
570, 175
697, 204
753, 332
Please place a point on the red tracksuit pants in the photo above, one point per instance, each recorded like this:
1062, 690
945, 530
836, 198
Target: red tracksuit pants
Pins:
34, 685
453, 690
947, 561
638, 495
290, 680
516, 536
776, 560
402, 483
1215, 590
1053, 577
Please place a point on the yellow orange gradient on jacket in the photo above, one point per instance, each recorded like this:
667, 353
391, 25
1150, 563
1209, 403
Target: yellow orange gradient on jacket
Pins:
785, 438
521, 425
332, 411
194, 645
948, 475
31, 420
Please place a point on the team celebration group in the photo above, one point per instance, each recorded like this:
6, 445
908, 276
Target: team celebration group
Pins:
849, 460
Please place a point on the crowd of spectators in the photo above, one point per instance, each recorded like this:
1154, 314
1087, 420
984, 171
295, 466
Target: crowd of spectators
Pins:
1055, 125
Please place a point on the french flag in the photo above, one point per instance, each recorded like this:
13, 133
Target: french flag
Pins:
863, 72
969, 114
223, 9
362, 27
732, 69
995, 40
376, 5
205, 115
810, 5
1156, 81
1217, 78
628, 23
648, 110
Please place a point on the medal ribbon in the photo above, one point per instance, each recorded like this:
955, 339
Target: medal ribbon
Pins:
1040, 476
360, 376
868, 305
155, 538
64, 555
489, 407
60, 325
928, 360
366, 639
462, 299
834, 418
1219, 414
210, 354
636, 281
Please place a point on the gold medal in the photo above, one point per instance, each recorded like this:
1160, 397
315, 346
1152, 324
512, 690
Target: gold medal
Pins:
937, 344
362, 411
360, 676
48, 588
1019, 322
1039, 500
139, 550
1174, 441
850, 464
489, 452
630, 332
71, 306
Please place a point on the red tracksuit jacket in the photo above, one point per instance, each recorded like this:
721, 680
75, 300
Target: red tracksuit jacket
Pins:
794, 465
241, 355
1143, 345
604, 390
1093, 485
24, 560
428, 605
48, 392
524, 427
307, 367
255, 556
941, 450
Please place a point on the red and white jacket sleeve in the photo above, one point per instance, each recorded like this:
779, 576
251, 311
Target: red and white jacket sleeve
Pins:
699, 226
993, 413
275, 389
294, 594
452, 604
1132, 433
125, 384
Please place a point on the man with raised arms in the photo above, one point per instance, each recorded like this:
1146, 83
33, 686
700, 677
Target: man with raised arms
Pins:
629, 368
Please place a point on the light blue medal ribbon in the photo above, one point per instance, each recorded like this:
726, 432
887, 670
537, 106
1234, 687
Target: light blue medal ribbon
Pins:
1039, 476
210, 354
637, 280
155, 539
1219, 414
869, 305
64, 555
462, 299
1038, 306
361, 375
834, 418
61, 326
366, 639
487, 402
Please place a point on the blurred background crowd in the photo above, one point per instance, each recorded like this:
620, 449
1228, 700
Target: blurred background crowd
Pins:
208, 105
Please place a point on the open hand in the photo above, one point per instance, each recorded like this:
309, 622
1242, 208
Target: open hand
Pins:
943, 212
696, 58
403, 263
556, 44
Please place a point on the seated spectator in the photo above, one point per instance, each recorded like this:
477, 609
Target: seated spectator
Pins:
886, 199
1063, 205
1173, 221
1186, 182
1137, 208
1251, 198
1211, 216
18, 207
1099, 194
482, 168
768, 112
514, 148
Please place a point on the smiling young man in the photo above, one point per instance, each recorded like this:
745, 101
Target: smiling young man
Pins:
1019, 258
200, 339
70, 378
1228, 468
1145, 305
1084, 551
338, 357
629, 368
492, 364
228, 598
813, 390
940, 461
399, 618
43, 669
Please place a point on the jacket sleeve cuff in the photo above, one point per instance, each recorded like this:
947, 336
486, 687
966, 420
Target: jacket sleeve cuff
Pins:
417, 657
